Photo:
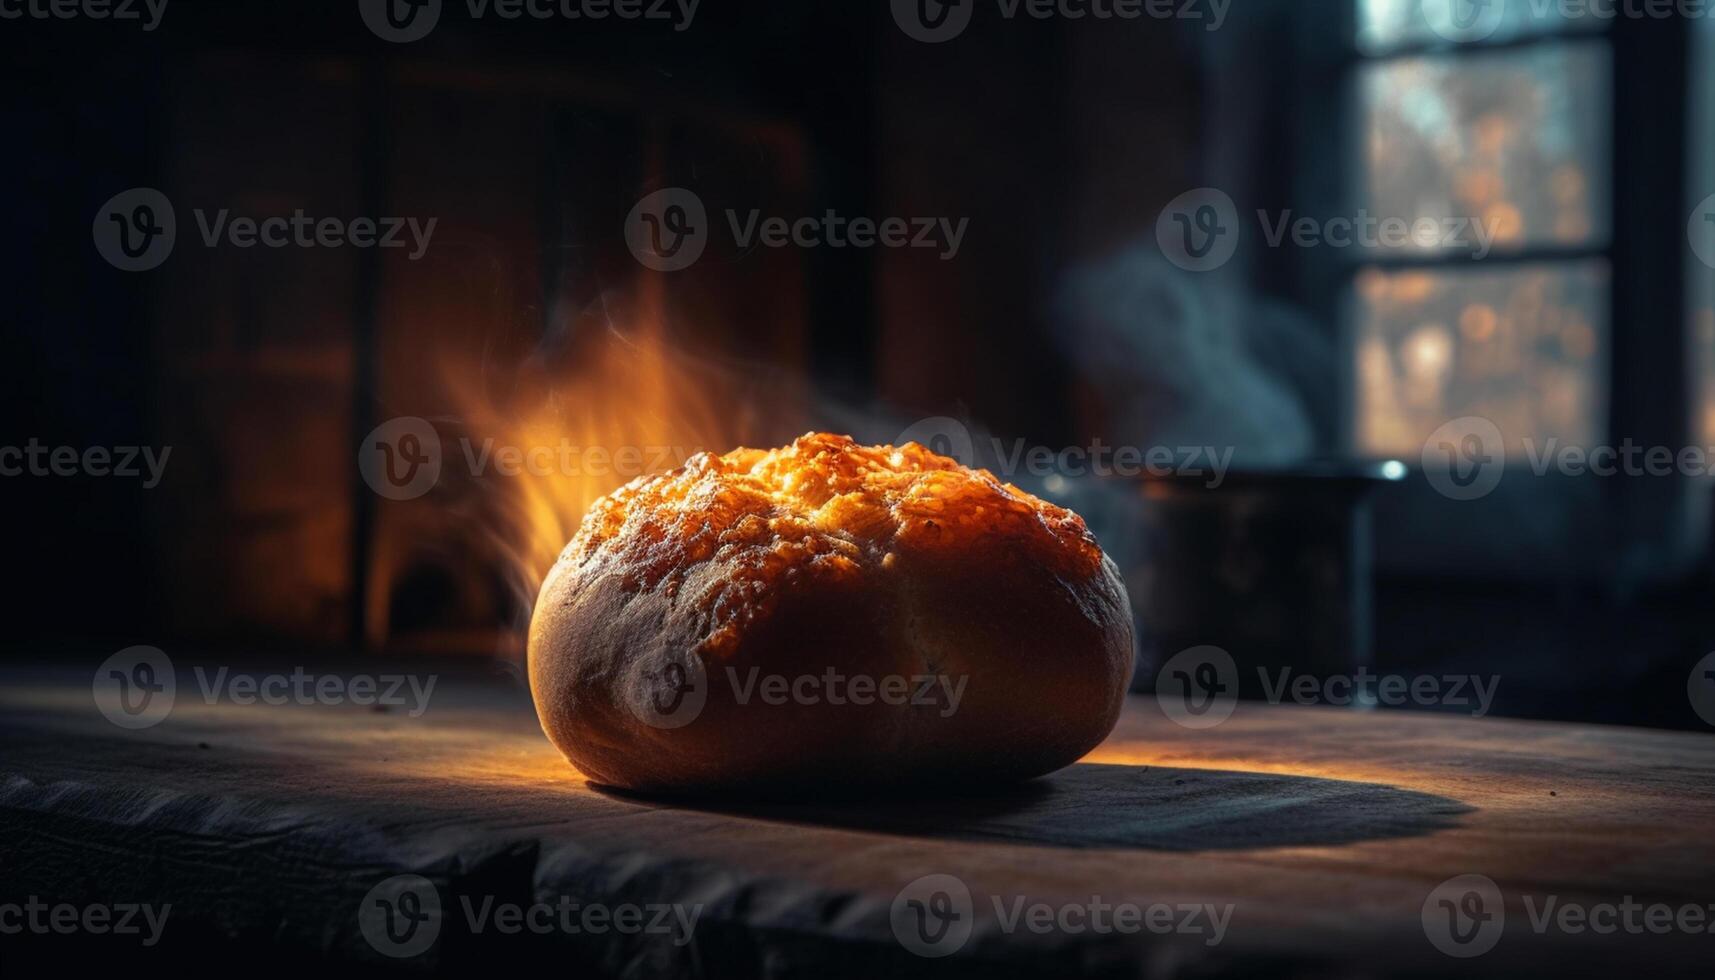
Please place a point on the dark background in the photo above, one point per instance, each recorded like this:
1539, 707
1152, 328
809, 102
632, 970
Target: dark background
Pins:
530, 141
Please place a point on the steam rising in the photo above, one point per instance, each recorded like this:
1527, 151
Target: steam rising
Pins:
1190, 361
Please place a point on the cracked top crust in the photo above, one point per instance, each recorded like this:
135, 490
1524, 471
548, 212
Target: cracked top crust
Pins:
823, 509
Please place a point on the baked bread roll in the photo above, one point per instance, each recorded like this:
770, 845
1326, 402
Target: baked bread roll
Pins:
827, 615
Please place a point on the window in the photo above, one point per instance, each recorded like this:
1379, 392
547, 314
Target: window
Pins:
1701, 264
1496, 126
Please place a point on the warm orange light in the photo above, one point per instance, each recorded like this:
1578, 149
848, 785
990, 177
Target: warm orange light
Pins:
1477, 322
629, 406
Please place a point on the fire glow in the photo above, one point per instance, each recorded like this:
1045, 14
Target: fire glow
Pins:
631, 399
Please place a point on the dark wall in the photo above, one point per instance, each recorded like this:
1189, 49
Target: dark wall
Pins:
262, 370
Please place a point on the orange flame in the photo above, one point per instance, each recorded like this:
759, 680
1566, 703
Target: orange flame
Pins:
631, 405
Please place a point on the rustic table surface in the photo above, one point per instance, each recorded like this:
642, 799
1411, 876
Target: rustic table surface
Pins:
1287, 840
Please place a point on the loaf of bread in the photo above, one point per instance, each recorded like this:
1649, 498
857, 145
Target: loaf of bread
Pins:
827, 615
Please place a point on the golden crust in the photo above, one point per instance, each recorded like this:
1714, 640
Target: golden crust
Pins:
823, 509
826, 559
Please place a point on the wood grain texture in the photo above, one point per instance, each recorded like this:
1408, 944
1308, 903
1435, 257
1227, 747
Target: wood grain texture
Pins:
1324, 830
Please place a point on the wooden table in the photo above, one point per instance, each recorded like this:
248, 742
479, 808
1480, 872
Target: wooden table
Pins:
1322, 833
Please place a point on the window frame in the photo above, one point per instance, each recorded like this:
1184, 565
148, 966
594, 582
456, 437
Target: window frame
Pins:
1549, 254
1647, 524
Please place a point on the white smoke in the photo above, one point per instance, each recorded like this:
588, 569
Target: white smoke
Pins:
1188, 360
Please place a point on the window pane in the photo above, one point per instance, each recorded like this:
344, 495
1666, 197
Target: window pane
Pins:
1514, 140
1701, 263
1384, 24
1703, 327
1522, 346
